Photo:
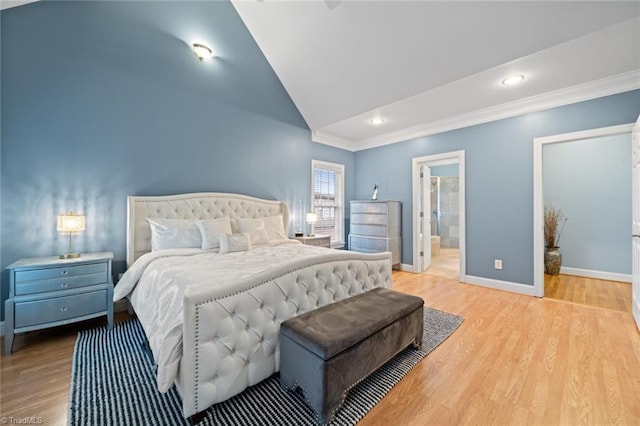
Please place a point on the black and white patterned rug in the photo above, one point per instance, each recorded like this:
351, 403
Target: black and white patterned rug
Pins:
113, 382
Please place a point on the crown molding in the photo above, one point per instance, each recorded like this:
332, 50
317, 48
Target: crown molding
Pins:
582, 92
334, 141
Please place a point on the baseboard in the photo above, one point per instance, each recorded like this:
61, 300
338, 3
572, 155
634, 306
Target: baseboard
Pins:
601, 275
501, 285
636, 311
406, 267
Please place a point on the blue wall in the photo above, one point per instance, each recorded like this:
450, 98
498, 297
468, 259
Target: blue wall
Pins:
101, 100
499, 178
590, 181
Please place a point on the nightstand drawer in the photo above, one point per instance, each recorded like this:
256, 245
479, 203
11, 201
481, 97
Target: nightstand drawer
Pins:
65, 283
60, 272
59, 308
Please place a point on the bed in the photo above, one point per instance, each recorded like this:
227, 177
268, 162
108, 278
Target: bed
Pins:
212, 320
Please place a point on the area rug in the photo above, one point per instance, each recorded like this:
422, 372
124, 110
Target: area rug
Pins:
113, 382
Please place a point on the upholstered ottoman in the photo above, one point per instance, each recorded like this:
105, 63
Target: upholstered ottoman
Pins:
327, 351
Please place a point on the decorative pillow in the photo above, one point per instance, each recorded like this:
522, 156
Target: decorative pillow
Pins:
256, 230
274, 226
230, 243
211, 229
174, 233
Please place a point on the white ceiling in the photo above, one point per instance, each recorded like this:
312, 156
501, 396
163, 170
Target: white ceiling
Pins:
428, 66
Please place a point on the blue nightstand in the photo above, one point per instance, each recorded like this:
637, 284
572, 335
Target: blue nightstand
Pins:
49, 291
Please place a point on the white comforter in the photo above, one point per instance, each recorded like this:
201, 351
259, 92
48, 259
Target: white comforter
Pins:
158, 281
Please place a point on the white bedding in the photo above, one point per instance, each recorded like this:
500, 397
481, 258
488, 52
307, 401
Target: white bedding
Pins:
157, 282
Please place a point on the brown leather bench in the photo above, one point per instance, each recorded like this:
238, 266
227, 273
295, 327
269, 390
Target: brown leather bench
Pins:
327, 351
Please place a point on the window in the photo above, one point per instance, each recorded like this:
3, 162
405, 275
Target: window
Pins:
327, 187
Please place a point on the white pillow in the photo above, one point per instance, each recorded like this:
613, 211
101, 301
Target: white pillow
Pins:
211, 229
174, 233
237, 242
256, 230
274, 226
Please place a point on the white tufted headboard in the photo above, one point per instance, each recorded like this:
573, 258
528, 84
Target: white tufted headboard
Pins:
204, 205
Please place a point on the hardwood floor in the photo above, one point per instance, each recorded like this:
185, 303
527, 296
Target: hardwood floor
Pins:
589, 291
515, 360
445, 264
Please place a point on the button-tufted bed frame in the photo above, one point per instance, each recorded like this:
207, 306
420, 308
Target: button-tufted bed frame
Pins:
239, 328
204, 205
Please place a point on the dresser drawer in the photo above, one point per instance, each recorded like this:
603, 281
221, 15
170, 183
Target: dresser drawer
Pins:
380, 208
370, 230
60, 272
368, 219
59, 308
368, 244
65, 283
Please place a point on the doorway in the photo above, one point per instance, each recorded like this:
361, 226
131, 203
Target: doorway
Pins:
439, 215
539, 197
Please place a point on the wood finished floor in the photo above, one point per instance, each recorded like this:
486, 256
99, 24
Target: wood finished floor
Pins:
589, 291
515, 360
445, 264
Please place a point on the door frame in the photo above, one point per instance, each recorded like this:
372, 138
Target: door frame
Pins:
453, 157
538, 195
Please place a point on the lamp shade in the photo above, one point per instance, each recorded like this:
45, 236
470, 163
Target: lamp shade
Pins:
312, 218
70, 223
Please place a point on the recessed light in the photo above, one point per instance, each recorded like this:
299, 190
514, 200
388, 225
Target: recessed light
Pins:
514, 79
376, 121
202, 52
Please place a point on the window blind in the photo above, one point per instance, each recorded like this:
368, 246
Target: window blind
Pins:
328, 201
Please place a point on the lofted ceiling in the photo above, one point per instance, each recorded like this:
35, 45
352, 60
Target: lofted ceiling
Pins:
431, 66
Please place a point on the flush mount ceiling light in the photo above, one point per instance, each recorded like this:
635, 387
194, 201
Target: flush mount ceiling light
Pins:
376, 121
514, 79
202, 52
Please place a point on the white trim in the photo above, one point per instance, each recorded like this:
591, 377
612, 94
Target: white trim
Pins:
338, 169
525, 289
636, 309
538, 197
600, 275
1, 328
587, 134
582, 92
405, 267
334, 141
438, 160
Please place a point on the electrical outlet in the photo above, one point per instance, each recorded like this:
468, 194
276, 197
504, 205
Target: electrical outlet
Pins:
497, 264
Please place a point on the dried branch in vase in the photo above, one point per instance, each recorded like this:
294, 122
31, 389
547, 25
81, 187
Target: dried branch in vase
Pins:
554, 221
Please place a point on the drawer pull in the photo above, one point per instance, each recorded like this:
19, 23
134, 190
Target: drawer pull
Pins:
65, 272
63, 309
63, 285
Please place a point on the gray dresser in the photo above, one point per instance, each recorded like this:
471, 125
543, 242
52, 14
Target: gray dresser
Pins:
376, 227
49, 291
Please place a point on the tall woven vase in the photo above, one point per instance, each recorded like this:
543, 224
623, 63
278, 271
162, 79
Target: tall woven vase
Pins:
552, 260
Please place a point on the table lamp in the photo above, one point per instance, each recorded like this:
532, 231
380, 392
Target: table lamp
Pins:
312, 218
70, 224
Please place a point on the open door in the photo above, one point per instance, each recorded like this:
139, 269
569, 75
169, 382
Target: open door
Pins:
635, 225
425, 217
